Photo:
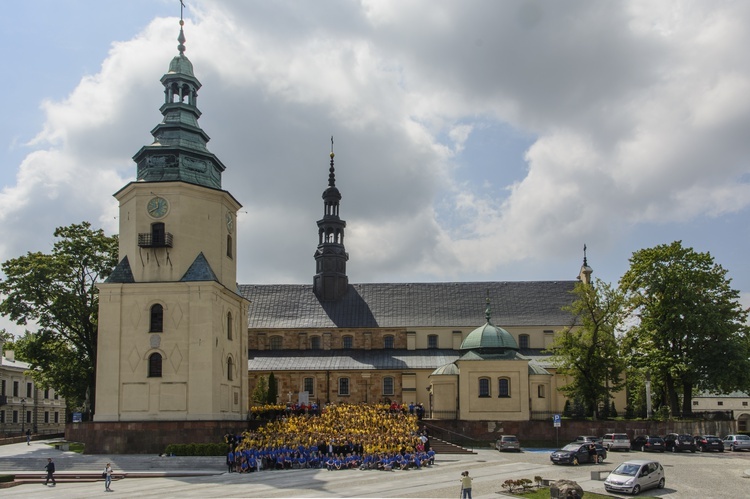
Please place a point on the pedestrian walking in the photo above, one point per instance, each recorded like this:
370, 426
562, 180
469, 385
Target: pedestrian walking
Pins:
107, 478
465, 485
50, 467
28, 436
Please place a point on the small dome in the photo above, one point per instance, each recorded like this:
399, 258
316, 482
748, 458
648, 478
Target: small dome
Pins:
489, 336
181, 65
447, 369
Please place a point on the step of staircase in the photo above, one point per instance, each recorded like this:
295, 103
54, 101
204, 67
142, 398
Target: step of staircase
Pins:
444, 447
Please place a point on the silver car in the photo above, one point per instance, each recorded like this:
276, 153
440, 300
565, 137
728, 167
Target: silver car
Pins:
737, 442
508, 442
634, 476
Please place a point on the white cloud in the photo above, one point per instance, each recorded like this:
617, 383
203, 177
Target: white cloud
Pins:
639, 113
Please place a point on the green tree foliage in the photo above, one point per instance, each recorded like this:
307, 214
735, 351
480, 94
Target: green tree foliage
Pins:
260, 392
273, 389
57, 292
587, 352
690, 331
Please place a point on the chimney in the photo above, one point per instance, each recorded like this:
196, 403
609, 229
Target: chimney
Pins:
10, 356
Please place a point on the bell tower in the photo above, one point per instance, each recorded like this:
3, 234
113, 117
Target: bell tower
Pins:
172, 342
330, 282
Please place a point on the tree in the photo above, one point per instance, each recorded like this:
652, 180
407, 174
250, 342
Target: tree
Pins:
260, 392
273, 389
587, 352
690, 330
57, 292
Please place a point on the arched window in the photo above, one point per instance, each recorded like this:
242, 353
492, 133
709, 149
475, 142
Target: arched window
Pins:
347, 342
315, 343
230, 369
503, 387
432, 341
275, 343
388, 385
229, 246
156, 322
484, 387
229, 325
343, 386
523, 341
154, 365
388, 341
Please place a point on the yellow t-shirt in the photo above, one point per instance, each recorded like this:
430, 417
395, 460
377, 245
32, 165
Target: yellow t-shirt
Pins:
466, 482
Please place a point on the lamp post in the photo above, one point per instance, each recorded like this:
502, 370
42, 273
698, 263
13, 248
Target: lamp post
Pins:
23, 415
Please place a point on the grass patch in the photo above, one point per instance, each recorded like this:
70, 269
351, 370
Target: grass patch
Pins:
76, 447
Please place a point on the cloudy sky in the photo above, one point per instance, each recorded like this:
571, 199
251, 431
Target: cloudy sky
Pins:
475, 140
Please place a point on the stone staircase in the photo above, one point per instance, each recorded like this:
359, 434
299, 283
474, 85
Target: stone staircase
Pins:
443, 447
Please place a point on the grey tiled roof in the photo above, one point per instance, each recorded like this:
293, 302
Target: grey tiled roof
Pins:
447, 304
200, 270
345, 360
122, 273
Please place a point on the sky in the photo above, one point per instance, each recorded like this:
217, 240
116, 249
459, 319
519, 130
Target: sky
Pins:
474, 140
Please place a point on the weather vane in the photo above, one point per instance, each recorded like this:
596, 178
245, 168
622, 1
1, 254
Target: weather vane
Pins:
182, 6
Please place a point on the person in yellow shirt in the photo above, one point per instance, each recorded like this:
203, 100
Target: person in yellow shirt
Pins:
466, 485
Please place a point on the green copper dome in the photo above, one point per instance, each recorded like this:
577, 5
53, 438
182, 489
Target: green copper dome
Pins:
489, 337
181, 65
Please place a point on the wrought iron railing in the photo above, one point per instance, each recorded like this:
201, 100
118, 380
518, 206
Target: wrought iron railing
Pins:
149, 240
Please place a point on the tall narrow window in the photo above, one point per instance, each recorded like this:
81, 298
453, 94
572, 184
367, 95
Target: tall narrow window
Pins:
154, 365
432, 341
275, 343
2, 387
503, 388
230, 369
2, 417
315, 343
158, 232
46, 393
309, 386
347, 342
540, 391
46, 416
57, 417
157, 319
229, 325
523, 341
15, 388
229, 246
343, 386
388, 385
484, 387
29, 390
388, 341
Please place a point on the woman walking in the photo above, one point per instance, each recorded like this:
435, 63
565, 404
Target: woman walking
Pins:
107, 478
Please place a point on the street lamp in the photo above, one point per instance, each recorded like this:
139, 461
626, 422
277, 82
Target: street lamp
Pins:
23, 415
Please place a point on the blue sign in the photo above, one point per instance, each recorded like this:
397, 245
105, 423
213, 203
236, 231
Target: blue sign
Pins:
556, 420
77, 417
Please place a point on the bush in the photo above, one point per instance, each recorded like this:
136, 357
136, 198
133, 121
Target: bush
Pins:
196, 449
7, 478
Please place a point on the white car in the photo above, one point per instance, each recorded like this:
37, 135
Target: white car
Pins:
616, 441
737, 442
634, 476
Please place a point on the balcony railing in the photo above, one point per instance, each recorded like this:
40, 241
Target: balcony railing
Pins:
149, 240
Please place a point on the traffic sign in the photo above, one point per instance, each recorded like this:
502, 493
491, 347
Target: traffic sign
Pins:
557, 420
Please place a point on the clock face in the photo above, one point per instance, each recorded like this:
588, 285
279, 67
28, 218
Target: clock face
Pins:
230, 222
157, 207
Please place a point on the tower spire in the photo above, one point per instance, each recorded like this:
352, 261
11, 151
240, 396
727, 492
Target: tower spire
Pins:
330, 282
584, 275
181, 36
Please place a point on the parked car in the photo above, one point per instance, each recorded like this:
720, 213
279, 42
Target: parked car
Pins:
707, 443
648, 443
737, 442
508, 442
582, 439
616, 441
635, 476
576, 453
679, 442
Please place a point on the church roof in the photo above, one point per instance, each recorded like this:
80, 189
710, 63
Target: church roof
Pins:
347, 360
442, 304
200, 270
122, 273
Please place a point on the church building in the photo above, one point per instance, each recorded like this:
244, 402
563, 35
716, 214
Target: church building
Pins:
435, 344
172, 325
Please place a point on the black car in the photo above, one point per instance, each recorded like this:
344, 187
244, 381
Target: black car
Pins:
707, 443
648, 443
577, 453
679, 442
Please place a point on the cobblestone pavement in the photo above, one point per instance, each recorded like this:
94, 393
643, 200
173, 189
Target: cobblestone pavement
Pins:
709, 476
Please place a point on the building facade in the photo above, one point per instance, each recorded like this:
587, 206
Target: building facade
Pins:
24, 405
333, 341
172, 326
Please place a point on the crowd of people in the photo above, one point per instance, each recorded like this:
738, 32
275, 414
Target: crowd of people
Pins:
338, 436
